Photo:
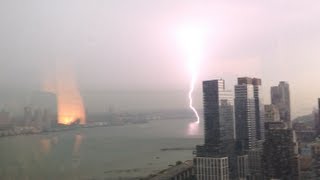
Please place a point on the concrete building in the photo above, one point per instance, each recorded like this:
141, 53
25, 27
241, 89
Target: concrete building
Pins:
245, 115
242, 167
280, 97
209, 168
255, 164
182, 171
280, 152
271, 113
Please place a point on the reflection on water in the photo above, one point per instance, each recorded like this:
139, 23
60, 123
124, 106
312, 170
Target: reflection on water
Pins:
77, 144
54, 140
76, 151
96, 153
45, 145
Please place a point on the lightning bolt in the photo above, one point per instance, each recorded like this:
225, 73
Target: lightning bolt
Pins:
192, 84
191, 37
193, 126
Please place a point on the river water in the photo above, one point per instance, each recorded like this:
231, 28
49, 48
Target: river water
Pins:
129, 151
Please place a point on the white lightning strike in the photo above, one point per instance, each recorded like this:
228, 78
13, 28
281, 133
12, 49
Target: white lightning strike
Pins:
193, 126
192, 84
192, 40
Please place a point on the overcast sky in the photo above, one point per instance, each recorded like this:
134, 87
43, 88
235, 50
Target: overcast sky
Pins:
132, 44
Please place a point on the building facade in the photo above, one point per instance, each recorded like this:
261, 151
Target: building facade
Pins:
280, 97
259, 108
215, 159
245, 115
317, 119
315, 151
255, 164
209, 168
271, 113
218, 112
181, 171
242, 167
280, 152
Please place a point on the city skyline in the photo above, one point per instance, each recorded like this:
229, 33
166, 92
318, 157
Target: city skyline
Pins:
159, 89
259, 149
122, 99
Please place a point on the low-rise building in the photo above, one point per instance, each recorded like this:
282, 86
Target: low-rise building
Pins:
181, 171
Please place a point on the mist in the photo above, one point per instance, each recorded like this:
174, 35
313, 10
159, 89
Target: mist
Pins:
126, 52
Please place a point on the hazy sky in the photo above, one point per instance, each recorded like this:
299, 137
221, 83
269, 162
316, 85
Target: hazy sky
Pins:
132, 44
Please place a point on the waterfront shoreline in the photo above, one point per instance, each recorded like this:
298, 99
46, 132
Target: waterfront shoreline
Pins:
23, 131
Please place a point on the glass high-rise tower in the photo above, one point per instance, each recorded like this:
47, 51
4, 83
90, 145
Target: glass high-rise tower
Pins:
218, 112
245, 114
215, 159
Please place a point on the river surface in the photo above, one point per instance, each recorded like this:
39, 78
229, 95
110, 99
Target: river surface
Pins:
121, 152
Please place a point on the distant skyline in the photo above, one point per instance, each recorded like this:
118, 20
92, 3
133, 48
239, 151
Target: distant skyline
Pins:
131, 45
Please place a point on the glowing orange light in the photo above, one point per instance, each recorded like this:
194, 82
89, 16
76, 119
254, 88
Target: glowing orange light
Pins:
70, 106
69, 101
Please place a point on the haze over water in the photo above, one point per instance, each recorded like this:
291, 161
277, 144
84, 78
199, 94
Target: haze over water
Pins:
102, 153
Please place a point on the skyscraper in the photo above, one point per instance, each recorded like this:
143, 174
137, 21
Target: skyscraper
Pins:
249, 114
317, 119
259, 108
218, 112
214, 159
280, 97
280, 152
245, 114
